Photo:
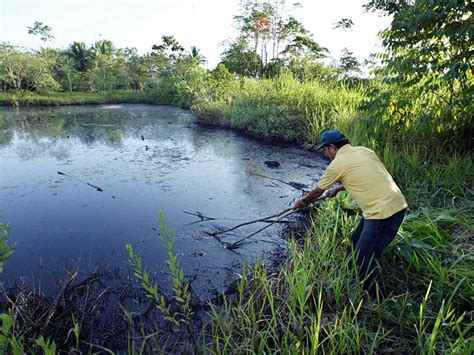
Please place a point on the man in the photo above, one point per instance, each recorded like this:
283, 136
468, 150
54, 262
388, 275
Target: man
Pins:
364, 176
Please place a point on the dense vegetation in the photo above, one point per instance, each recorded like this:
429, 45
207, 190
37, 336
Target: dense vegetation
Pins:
416, 113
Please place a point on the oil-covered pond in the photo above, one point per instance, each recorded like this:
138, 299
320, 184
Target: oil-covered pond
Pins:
79, 183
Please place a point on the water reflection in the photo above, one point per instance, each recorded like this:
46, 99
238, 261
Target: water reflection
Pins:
144, 159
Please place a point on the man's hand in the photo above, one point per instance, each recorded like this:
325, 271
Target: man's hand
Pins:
299, 204
333, 192
309, 198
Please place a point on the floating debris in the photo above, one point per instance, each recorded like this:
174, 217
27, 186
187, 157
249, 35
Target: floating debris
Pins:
272, 164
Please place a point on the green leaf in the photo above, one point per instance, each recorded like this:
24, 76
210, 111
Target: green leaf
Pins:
418, 244
7, 323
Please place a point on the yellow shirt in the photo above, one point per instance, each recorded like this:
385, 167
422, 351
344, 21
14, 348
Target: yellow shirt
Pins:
365, 177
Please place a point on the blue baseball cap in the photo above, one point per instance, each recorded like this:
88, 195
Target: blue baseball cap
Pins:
330, 137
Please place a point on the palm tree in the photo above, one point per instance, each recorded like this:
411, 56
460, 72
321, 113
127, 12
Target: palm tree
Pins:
104, 47
196, 55
80, 54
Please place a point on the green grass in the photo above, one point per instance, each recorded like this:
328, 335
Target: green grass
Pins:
282, 109
72, 98
315, 304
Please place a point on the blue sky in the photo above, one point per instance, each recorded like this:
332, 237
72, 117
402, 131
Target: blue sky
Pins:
203, 23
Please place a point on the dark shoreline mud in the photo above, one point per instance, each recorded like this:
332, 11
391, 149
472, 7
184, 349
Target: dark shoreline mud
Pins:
109, 307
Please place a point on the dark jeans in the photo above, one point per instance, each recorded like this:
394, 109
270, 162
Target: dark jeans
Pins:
369, 240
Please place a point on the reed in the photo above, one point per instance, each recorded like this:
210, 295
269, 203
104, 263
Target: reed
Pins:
26, 98
315, 303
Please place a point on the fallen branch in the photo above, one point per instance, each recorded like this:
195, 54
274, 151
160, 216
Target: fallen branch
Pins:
240, 241
201, 216
84, 182
279, 221
263, 219
279, 217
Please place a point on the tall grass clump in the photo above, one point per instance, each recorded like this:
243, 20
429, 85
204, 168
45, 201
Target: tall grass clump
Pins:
315, 303
282, 108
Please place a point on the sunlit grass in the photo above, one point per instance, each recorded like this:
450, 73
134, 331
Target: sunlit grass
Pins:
27, 98
282, 109
316, 304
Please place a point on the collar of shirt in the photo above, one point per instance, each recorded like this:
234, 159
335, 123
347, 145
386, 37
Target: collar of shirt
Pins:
343, 149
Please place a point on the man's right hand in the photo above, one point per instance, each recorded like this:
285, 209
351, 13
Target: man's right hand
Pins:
299, 204
332, 192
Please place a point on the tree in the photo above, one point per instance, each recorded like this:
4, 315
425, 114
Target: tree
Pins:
432, 38
241, 60
104, 47
255, 25
390, 7
108, 68
269, 27
304, 45
42, 31
22, 70
196, 56
345, 24
63, 70
222, 84
169, 48
138, 68
80, 54
15, 67
430, 57
348, 63
302, 52
108, 73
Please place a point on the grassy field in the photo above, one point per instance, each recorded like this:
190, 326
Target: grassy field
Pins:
72, 98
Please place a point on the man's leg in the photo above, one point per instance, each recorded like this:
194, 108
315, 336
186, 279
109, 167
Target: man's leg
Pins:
390, 228
388, 233
355, 235
365, 254
365, 248
368, 241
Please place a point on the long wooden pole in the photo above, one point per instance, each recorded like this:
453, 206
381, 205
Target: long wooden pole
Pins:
240, 241
281, 215
263, 219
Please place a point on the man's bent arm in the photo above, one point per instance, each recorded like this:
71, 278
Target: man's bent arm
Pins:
334, 191
310, 197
